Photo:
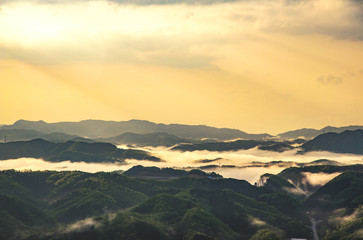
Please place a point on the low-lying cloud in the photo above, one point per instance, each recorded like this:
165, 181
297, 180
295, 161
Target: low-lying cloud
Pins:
245, 164
318, 179
40, 164
82, 225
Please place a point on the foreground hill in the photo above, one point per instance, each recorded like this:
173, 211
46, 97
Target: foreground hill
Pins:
336, 204
303, 181
166, 173
190, 205
71, 150
106, 129
114, 206
345, 142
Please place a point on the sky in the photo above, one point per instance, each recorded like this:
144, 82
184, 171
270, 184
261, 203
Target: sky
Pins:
256, 65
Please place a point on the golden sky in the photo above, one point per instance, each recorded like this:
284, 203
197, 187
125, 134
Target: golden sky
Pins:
260, 66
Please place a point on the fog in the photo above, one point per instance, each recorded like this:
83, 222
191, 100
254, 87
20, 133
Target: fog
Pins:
245, 164
39, 164
82, 224
319, 179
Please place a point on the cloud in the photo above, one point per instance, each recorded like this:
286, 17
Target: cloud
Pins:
257, 222
39, 164
318, 179
249, 164
344, 216
133, 2
310, 17
175, 34
330, 79
296, 191
335, 79
82, 225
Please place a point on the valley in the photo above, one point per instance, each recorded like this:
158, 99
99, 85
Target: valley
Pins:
160, 186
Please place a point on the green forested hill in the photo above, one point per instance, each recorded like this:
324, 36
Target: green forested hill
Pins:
74, 151
148, 139
48, 204
345, 142
73, 205
336, 205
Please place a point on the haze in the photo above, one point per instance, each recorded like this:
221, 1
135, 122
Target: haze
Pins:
260, 66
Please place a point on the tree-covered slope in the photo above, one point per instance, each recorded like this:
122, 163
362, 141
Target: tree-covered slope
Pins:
13, 135
74, 151
77, 205
345, 142
148, 139
189, 207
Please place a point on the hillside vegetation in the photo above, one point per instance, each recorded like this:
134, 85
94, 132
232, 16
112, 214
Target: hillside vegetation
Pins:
72, 205
74, 151
44, 205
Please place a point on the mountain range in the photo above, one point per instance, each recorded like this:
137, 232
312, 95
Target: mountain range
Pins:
107, 129
348, 141
190, 205
112, 129
344, 142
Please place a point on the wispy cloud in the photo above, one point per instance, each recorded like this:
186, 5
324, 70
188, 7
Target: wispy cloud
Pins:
337, 78
330, 79
174, 34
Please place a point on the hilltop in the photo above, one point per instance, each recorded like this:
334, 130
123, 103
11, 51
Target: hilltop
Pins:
74, 151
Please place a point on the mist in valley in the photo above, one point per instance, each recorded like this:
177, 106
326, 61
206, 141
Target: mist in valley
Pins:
248, 165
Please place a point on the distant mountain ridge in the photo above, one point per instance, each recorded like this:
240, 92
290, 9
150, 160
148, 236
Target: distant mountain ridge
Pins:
310, 133
110, 131
11, 135
106, 129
